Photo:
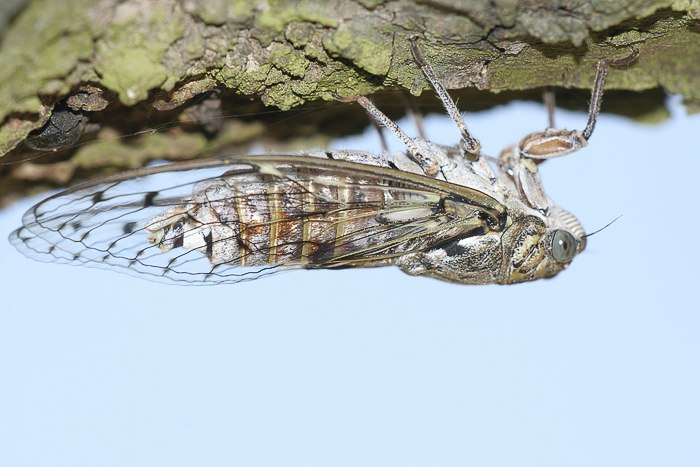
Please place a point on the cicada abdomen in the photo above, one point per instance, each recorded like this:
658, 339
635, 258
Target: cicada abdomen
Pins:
257, 217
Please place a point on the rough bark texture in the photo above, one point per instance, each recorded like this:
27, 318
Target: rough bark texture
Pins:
118, 60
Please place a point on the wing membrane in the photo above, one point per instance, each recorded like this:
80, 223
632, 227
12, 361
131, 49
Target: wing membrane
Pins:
236, 219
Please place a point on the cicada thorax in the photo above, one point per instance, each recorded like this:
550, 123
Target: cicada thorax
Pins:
308, 218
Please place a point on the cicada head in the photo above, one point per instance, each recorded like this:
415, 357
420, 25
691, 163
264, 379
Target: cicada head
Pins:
529, 247
535, 248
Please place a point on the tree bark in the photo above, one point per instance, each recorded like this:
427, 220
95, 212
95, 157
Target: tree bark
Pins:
106, 58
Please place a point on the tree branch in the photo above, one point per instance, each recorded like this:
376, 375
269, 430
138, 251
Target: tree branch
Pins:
113, 56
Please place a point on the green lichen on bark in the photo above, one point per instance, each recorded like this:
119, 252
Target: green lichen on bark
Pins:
131, 59
292, 52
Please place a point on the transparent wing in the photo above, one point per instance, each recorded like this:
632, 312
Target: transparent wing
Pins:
237, 219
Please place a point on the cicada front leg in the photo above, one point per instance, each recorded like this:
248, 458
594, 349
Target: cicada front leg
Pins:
551, 142
521, 160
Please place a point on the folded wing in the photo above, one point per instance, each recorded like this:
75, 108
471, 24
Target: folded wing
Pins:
236, 219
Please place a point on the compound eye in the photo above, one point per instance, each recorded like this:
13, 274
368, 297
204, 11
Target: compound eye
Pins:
563, 246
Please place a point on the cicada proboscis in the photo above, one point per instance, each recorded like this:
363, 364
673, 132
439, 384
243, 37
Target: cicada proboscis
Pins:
445, 212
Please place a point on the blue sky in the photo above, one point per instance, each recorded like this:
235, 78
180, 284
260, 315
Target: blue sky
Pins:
598, 366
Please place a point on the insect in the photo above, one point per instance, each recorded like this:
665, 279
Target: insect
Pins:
61, 131
449, 213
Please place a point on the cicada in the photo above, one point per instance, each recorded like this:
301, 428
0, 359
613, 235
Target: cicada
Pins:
449, 213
